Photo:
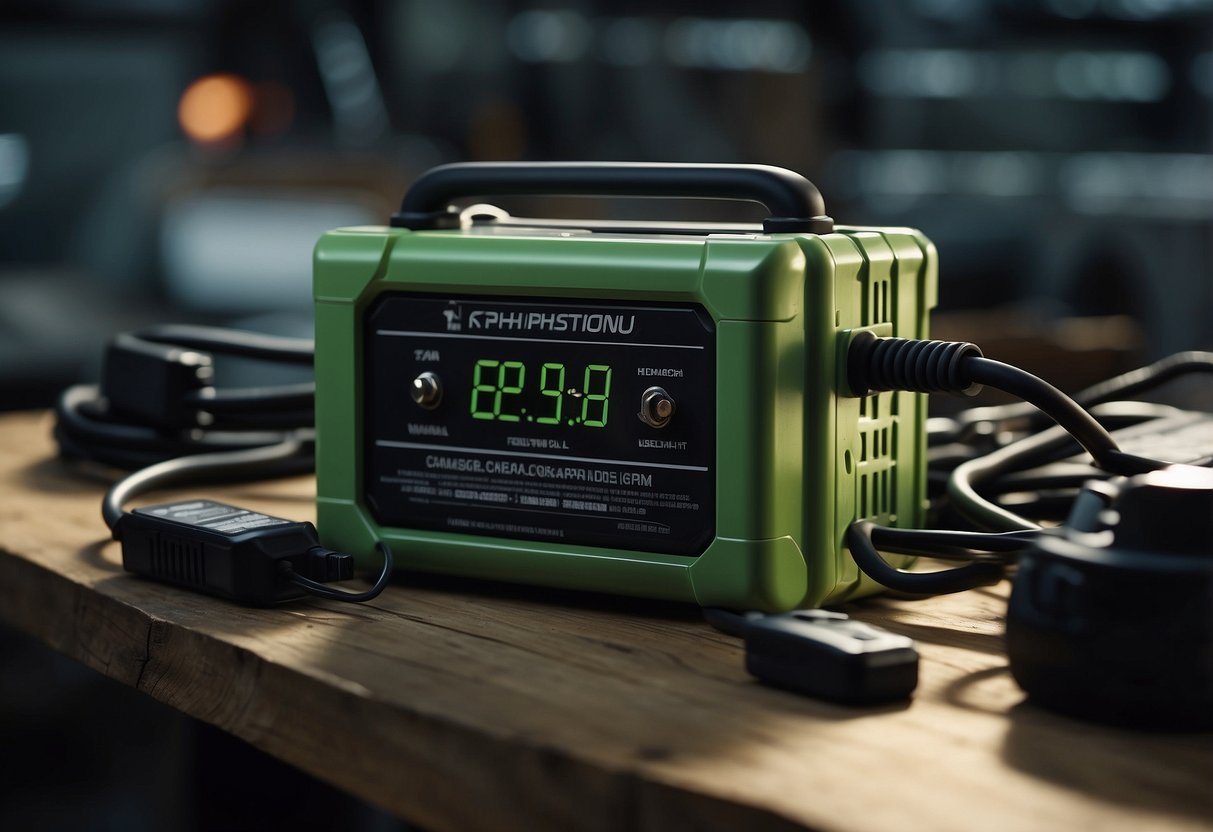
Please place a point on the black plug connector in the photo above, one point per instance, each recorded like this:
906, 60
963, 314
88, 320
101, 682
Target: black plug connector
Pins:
830, 656
230, 552
325, 565
824, 654
151, 382
877, 364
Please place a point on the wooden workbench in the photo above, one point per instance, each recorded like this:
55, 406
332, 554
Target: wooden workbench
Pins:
466, 706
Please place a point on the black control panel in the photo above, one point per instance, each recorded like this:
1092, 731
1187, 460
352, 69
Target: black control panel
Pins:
553, 420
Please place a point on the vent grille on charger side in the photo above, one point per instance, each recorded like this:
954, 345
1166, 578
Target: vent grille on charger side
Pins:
878, 423
178, 560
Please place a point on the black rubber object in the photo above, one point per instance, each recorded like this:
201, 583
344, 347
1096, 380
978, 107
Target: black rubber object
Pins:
877, 364
829, 656
795, 204
1111, 617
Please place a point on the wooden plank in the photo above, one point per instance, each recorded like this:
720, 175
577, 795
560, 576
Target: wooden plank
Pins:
465, 706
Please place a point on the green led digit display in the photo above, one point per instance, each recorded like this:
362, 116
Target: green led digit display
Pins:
511, 390
551, 385
591, 398
508, 381
480, 386
500, 393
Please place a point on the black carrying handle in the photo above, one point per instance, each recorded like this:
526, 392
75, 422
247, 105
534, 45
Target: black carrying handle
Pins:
794, 203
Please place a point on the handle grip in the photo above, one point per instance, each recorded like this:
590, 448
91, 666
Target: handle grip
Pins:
793, 202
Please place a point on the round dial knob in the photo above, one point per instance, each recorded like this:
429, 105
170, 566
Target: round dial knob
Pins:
426, 390
656, 407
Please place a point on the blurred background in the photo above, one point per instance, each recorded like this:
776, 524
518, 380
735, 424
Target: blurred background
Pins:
175, 160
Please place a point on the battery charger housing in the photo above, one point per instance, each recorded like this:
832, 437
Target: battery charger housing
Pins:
797, 458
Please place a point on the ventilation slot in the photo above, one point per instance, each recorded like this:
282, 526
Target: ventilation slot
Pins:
178, 560
877, 468
876, 472
877, 302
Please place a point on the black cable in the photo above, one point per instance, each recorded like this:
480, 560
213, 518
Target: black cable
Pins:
962, 485
1061, 408
875, 364
1052, 508
968, 478
1147, 378
254, 345
1076, 421
982, 571
916, 541
289, 457
157, 400
85, 429
1052, 477
269, 420
1122, 386
245, 399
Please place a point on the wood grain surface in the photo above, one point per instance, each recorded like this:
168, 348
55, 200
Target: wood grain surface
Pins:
466, 706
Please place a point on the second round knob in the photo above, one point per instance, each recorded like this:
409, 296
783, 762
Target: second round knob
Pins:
656, 407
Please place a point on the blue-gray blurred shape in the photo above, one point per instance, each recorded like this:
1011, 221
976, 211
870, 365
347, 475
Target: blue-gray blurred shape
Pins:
233, 250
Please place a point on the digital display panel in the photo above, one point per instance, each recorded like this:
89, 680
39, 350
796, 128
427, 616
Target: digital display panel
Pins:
522, 418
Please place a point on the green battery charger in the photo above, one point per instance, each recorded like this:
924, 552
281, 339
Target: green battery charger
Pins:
653, 409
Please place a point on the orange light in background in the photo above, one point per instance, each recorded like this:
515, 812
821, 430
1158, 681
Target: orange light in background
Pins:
214, 108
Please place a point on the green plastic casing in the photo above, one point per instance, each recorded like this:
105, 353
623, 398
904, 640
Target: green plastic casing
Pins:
797, 457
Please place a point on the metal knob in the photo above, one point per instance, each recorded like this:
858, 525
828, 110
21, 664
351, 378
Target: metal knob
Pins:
656, 407
426, 390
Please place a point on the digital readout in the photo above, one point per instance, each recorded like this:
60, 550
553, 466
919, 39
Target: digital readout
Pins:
533, 428
549, 394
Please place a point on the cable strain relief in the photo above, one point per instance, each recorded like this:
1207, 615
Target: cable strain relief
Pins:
920, 366
325, 565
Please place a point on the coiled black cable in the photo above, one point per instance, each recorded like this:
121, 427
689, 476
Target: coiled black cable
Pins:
158, 414
986, 556
875, 364
1120, 387
109, 423
238, 433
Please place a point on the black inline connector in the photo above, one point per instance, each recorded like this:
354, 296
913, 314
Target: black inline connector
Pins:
152, 383
235, 553
824, 654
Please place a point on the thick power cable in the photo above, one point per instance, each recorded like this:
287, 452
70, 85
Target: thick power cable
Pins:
876, 364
